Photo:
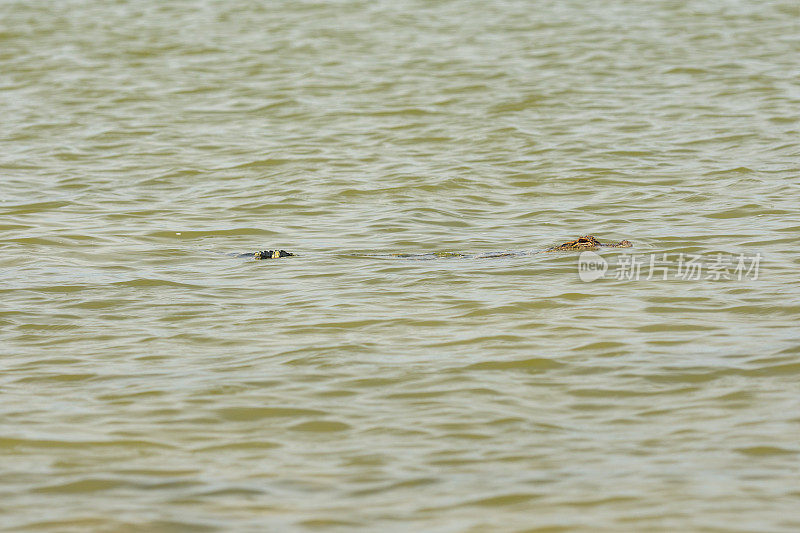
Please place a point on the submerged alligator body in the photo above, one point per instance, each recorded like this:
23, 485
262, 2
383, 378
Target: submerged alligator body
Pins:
587, 242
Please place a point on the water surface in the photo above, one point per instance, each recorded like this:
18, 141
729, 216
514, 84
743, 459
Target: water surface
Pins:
150, 382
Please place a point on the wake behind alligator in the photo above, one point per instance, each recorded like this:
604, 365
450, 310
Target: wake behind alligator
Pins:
587, 242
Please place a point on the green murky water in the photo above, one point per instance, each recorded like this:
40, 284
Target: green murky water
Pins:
149, 382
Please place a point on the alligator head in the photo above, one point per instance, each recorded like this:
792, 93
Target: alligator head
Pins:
272, 254
588, 242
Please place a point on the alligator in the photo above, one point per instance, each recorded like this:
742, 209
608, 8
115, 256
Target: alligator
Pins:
272, 254
587, 242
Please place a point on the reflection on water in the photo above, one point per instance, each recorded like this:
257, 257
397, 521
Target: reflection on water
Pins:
152, 381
